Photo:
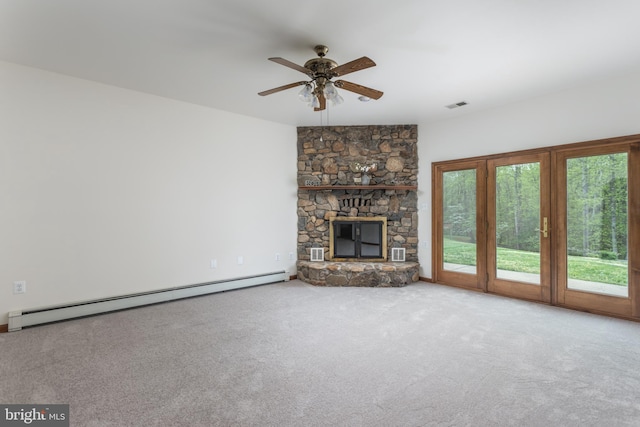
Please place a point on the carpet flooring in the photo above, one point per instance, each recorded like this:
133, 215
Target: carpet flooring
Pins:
291, 354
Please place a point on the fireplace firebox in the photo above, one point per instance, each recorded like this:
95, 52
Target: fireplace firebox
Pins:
358, 238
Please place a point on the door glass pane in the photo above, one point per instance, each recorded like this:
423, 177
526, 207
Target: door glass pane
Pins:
597, 224
371, 239
518, 222
344, 239
459, 221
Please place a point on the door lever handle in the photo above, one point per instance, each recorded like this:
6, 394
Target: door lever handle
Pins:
545, 227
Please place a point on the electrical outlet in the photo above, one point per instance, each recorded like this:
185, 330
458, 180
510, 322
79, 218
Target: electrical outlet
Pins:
240, 260
214, 263
291, 256
277, 257
19, 287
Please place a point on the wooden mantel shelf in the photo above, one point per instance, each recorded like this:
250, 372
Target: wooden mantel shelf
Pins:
358, 187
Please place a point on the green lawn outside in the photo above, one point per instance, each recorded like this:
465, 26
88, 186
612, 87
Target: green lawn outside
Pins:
581, 268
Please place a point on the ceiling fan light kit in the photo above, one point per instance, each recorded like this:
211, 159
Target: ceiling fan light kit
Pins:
320, 88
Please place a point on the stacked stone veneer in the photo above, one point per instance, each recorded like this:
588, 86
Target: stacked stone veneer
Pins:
324, 157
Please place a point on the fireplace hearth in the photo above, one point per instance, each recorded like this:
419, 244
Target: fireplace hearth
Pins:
363, 274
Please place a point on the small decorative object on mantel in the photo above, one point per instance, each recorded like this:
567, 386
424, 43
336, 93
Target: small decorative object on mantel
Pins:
364, 169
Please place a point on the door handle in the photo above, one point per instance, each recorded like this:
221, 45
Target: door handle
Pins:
545, 227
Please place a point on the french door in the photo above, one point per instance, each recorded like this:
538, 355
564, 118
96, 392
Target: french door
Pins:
597, 199
459, 227
518, 224
559, 225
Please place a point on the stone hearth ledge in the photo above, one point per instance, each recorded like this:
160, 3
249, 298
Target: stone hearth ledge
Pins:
364, 274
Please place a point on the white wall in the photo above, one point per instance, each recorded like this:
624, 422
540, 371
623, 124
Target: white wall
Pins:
606, 109
105, 191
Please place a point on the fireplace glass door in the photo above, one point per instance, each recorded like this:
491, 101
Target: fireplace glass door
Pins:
355, 239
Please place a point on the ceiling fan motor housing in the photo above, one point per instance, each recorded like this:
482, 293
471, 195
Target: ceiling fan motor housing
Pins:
320, 65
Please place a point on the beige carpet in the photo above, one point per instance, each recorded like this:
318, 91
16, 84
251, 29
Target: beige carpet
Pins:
291, 354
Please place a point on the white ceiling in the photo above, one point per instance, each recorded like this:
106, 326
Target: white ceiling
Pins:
429, 53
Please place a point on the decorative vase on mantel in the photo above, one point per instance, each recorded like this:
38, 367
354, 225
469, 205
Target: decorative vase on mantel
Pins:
356, 167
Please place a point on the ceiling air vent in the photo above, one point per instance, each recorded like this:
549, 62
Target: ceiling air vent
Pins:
397, 254
317, 254
456, 105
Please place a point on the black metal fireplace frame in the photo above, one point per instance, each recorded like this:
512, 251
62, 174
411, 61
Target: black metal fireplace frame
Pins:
344, 225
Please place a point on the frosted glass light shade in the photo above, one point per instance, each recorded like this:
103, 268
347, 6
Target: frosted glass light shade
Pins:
306, 94
337, 100
330, 90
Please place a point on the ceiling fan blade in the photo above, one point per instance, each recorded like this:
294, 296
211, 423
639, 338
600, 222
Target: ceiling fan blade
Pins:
359, 89
323, 102
278, 89
355, 65
290, 64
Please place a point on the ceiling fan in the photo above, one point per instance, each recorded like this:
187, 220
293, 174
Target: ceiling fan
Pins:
321, 70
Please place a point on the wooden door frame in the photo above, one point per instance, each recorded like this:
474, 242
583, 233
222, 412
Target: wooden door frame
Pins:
633, 244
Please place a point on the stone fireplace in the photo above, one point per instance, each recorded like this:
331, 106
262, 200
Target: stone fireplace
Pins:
332, 199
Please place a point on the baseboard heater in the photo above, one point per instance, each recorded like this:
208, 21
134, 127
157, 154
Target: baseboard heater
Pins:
22, 319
